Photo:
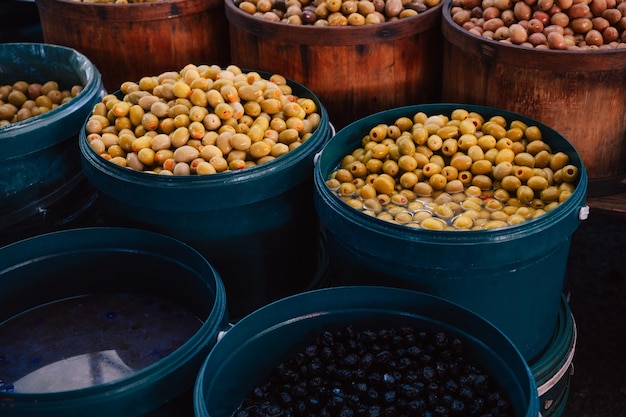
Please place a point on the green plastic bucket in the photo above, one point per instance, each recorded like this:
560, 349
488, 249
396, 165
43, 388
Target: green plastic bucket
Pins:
245, 355
257, 226
65, 264
43, 188
554, 367
511, 276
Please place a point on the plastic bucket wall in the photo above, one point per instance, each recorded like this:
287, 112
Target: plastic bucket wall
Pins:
511, 276
248, 351
129, 41
88, 261
42, 188
554, 368
354, 70
257, 226
574, 92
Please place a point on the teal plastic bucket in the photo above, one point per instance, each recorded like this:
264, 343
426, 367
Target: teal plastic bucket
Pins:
511, 276
43, 188
90, 261
245, 355
257, 226
553, 369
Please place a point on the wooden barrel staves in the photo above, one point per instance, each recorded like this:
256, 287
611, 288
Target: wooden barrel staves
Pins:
354, 70
580, 94
129, 41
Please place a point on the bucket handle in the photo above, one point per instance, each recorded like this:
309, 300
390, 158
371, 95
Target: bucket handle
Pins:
221, 333
583, 213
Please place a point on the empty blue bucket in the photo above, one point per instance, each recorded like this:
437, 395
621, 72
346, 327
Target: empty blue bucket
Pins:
107, 261
511, 276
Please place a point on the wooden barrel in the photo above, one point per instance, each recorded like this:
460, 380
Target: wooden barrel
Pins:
129, 41
354, 70
580, 94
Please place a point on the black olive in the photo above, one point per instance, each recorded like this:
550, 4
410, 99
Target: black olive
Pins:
378, 373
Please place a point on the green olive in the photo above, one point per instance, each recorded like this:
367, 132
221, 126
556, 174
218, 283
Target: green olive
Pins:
491, 182
569, 173
384, 184
537, 183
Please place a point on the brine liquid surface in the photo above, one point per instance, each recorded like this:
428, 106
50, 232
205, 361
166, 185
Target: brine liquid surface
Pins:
90, 340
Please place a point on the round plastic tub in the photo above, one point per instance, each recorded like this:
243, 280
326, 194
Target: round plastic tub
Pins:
107, 262
511, 276
43, 188
257, 226
248, 351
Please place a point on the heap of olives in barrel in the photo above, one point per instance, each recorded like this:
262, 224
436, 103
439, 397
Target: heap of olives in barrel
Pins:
201, 120
334, 12
22, 100
454, 172
546, 24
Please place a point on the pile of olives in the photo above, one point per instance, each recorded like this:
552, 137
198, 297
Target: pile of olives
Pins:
546, 24
334, 12
456, 172
22, 100
200, 120
399, 372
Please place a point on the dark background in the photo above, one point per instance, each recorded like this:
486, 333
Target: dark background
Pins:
596, 284
20, 21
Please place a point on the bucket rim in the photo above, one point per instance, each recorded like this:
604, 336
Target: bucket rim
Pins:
246, 174
552, 365
64, 242
230, 181
512, 232
265, 319
92, 90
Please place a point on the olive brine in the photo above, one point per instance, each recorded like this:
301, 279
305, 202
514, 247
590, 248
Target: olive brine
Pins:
454, 172
404, 371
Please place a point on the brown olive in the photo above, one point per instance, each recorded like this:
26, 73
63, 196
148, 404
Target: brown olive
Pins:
21, 101
576, 24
